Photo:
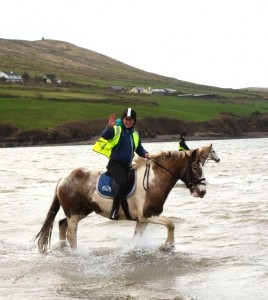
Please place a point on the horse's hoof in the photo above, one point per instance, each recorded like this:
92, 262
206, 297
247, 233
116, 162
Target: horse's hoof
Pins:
62, 245
166, 247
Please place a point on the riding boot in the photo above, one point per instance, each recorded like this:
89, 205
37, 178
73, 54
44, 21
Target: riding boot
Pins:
125, 207
118, 197
114, 215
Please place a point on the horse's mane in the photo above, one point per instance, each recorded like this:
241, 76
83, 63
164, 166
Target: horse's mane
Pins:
160, 157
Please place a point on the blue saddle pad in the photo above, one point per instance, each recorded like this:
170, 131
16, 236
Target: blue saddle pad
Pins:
104, 185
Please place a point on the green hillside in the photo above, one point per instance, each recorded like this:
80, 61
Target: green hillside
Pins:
73, 64
83, 95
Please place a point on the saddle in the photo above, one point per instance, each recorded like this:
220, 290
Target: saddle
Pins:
104, 184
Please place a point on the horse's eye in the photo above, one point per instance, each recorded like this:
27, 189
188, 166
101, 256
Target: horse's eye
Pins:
195, 169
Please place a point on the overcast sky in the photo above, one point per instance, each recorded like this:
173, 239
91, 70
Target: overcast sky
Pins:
220, 43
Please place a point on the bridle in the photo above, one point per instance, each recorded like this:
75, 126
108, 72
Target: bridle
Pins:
188, 177
211, 156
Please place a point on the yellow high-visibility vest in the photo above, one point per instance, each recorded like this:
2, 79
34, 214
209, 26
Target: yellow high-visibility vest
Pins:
105, 147
180, 148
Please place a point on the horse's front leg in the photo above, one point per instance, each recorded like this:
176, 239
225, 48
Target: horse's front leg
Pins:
169, 243
139, 229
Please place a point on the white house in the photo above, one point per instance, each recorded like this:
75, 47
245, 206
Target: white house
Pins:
142, 90
3, 75
11, 76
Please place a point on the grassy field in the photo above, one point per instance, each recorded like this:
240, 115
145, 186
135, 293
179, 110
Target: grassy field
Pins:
43, 107
83, 96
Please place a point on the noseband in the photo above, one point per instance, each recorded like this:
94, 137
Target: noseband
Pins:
188, 177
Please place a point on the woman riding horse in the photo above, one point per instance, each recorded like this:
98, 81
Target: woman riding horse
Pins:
120, 143
77, 194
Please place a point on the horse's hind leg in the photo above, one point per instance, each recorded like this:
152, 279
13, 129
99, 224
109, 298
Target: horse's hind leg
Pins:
72, 230
139, 229
63, 225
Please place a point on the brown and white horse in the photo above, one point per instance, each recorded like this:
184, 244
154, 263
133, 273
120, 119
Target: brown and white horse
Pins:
155, 177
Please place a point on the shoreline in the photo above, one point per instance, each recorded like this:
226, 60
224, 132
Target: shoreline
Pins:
156, 139
201, 136
195, 137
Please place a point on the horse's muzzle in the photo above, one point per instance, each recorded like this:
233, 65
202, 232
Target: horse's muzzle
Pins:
202, 193
196, 192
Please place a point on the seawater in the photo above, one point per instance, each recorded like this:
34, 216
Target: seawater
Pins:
220, 241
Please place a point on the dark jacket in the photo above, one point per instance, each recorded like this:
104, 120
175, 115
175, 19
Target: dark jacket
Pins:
183, 145
124, 150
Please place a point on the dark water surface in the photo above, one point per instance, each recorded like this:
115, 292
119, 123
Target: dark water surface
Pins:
221, 240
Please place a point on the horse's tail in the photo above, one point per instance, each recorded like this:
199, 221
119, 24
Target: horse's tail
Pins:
44, 236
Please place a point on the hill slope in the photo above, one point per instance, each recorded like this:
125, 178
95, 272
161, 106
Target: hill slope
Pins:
72, 63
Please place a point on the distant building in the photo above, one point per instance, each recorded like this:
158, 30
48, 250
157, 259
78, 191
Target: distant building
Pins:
50, 78
142, 90
115, 88
164, 91
158, 91
198, 95
3, 75
11, 76
170, 91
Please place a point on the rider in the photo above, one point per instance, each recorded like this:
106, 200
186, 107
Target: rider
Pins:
119, 142
182, 144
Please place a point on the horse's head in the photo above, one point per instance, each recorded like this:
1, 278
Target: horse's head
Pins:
193, 175
183, 165
213, 155
208, 153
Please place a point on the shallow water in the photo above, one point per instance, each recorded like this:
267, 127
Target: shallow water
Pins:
220, 241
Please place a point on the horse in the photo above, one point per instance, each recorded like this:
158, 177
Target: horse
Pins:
208, 153
77, 194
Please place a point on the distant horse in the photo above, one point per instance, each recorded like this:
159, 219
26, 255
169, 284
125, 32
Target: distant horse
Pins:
77, 194
208, 153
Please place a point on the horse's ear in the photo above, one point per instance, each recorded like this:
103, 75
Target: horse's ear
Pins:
195, 154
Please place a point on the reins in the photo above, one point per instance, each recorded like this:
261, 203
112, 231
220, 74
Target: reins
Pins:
189, 183
147, 172
162, 167
146, 175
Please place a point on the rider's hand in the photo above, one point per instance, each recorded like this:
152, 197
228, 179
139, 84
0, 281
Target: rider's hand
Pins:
112, 120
